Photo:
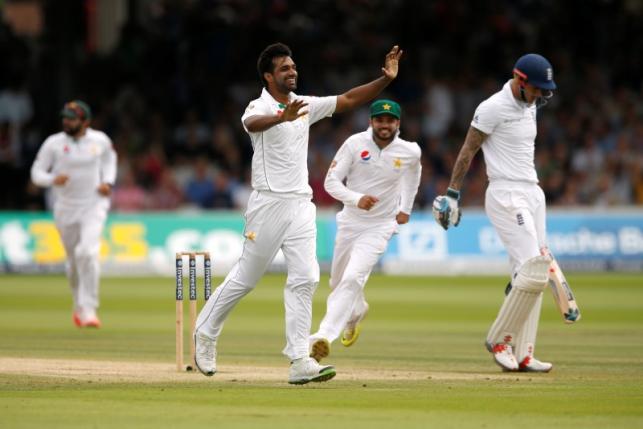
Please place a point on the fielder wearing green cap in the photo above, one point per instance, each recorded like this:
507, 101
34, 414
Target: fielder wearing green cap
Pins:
76, 110
382, 175
386, 107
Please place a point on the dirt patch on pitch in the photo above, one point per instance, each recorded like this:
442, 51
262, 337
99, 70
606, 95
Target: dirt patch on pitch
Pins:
151, 372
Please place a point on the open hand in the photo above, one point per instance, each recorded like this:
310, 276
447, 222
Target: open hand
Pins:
291, 111
391, 62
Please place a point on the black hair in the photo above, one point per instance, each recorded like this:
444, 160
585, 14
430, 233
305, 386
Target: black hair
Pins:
265, 64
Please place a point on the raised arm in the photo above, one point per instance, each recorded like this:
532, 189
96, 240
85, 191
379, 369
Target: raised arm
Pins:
359, 95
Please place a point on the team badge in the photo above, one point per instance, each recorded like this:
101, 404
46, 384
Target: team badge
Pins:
66, 149
251, 235
397, 163
365, 155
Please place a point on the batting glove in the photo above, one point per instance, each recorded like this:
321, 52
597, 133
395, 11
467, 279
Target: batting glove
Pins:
445, 209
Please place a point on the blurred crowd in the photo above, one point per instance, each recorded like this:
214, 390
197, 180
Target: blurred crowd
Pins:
172, 91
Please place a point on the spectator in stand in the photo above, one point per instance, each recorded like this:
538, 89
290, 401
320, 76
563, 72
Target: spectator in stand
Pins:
128, 196
200, 189
167, 194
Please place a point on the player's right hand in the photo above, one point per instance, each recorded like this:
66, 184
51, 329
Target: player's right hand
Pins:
446, 210
61, 179
291, 111
367, 202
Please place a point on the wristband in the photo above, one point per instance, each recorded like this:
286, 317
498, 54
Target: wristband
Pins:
453, 193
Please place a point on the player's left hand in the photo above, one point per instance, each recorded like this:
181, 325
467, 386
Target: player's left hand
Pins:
391, 62
446, 210
105, 189
402, 218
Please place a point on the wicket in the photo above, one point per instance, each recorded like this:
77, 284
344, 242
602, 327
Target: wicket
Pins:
207, 286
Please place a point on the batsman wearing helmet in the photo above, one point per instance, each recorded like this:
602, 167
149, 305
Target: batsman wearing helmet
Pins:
504, 126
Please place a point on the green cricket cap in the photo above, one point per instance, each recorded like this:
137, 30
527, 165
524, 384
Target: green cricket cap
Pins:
386, 107
76, 109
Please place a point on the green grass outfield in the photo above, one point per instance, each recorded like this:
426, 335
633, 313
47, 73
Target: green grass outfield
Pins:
421, 351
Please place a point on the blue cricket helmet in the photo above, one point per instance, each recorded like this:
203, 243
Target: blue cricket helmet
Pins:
536, 70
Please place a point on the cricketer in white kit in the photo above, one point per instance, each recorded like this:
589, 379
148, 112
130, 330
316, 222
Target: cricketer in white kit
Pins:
504, 126
280, 213
80, 165
382, 173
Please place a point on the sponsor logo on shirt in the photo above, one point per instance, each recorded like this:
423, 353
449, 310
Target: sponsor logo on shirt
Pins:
365, 155
520, 219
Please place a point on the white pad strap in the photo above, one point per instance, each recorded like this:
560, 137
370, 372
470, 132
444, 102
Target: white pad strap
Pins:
528, 285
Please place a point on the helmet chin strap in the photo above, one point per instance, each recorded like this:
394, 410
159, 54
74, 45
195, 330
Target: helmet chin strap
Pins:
542, 101
521, 89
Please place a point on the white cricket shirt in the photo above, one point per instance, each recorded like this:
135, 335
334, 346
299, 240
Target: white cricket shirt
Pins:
391, 174
88, 161
280, 158
511, 128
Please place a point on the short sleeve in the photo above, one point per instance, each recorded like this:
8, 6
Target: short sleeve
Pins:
255, 108
485, 118
320, 107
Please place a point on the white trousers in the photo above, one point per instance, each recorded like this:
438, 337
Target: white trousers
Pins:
517, 211
358, 247
80, 232
272, 223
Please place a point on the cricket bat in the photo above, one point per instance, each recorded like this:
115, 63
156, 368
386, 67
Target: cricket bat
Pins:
563, 295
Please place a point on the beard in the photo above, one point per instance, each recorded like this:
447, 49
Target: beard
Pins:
72, 131
385, 134
284, 88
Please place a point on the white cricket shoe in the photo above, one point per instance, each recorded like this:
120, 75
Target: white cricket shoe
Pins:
531, 364
307, 369
86, 318
504, 357
320, 349
205, 354
352, 329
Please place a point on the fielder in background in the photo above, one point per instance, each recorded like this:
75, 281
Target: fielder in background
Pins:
382, 173
80, 164
280, 214
504, 125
